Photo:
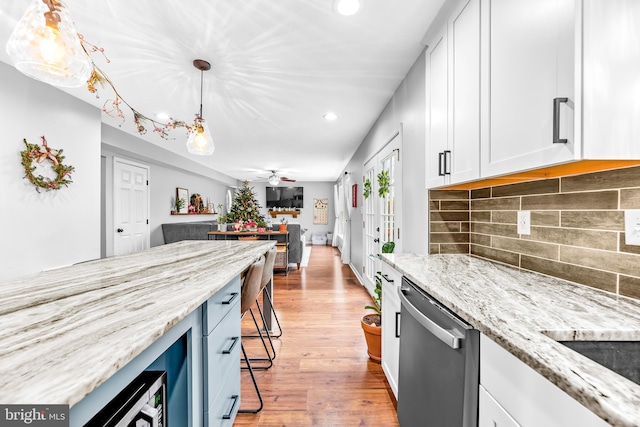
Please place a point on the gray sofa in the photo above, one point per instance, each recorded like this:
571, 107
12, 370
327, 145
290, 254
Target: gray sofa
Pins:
178, 231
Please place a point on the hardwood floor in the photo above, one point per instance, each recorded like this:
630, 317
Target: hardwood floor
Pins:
322, 375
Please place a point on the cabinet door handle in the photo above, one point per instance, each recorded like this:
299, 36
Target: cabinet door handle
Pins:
228, 415
386, 277
397, 324
440, 164
233, 296
233, 344
556, 120
447, 162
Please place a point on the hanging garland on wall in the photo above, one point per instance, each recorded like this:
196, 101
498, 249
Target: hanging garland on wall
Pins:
40, 154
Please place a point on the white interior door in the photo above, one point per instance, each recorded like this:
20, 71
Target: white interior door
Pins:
130, 207
381, 215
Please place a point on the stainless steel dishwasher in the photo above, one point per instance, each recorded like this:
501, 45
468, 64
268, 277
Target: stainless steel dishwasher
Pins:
439, 364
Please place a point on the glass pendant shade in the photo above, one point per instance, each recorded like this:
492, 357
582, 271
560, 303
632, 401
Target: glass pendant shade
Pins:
45, 45
200, 141
274, 180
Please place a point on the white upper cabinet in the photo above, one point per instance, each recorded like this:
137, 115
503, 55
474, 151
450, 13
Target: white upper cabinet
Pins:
611, 79
453, 98
528, 62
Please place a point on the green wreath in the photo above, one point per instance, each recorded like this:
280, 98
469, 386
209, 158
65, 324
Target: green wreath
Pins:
384, 180
367, 189
40, 154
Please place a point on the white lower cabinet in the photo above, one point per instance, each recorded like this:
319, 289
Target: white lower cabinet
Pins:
221, 347
491, 414
390, 325
515, 393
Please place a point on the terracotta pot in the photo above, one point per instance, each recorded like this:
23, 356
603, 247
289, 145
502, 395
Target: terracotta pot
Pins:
283, 228
373, 336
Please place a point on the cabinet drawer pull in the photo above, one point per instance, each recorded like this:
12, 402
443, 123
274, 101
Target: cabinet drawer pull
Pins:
447, 162
233, 296
386, 277
397, 324
233, 344
228, 415
556, 120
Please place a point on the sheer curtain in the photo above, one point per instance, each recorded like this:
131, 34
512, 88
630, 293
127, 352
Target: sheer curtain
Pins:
336, 210
346, 214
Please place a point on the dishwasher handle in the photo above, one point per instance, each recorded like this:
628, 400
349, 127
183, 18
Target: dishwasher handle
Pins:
444, 335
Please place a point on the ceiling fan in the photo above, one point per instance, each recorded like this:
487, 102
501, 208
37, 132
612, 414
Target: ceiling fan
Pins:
274, 178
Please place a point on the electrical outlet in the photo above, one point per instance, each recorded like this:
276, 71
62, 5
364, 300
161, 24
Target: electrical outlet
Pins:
524, 222
632, 227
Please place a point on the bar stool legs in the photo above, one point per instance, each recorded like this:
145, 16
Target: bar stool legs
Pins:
255, 385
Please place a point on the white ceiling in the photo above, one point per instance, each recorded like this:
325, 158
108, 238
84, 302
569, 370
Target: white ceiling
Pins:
277, 67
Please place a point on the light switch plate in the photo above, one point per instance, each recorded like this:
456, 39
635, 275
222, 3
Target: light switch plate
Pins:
632, 227
524, 222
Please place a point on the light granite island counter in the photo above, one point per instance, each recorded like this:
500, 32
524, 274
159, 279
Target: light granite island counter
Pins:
68, 331
527, 313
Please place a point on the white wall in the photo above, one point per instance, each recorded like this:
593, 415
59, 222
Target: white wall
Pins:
406, 107
312, 190
52, 229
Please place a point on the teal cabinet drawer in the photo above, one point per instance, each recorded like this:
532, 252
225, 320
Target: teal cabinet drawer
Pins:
223, 410
221, 354
220, 304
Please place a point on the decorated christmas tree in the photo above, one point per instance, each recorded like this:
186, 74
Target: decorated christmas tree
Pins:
245, 207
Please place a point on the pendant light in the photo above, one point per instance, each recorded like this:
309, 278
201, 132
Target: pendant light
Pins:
45, 45
200, 141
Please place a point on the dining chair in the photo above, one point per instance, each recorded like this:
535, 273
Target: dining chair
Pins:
248, 294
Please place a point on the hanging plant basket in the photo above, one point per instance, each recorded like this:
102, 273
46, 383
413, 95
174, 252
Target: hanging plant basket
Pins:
384, 180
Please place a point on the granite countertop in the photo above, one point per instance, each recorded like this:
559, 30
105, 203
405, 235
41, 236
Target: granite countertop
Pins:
66, 331
526, 312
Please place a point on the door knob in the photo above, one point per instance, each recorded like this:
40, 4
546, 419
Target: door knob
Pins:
376, 240
119, 230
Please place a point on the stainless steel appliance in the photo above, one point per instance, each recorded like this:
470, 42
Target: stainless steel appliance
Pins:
141, 404
439, 364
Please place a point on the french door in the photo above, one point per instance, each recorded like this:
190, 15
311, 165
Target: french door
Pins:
381, 212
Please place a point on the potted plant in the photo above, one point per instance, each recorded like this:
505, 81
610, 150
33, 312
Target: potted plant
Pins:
180, 204
262, 226
372, 323
223, 220
283, 225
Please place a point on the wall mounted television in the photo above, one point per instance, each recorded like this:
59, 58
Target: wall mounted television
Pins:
285, 197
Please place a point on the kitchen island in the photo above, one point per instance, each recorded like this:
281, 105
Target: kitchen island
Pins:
527, 314
65, 332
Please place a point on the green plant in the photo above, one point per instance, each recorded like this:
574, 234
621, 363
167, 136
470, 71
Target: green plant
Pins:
225, 219
377, 297
180, 204
262, 224
384, 180
387, 248
367, 189
220, 206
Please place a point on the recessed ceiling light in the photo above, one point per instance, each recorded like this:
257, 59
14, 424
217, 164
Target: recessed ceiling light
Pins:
330, 116
347, 7
163, 116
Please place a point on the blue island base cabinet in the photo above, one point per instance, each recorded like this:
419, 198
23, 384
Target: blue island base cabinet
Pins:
201, 356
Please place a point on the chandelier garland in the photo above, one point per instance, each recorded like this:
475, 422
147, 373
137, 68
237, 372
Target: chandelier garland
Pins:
112, 107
